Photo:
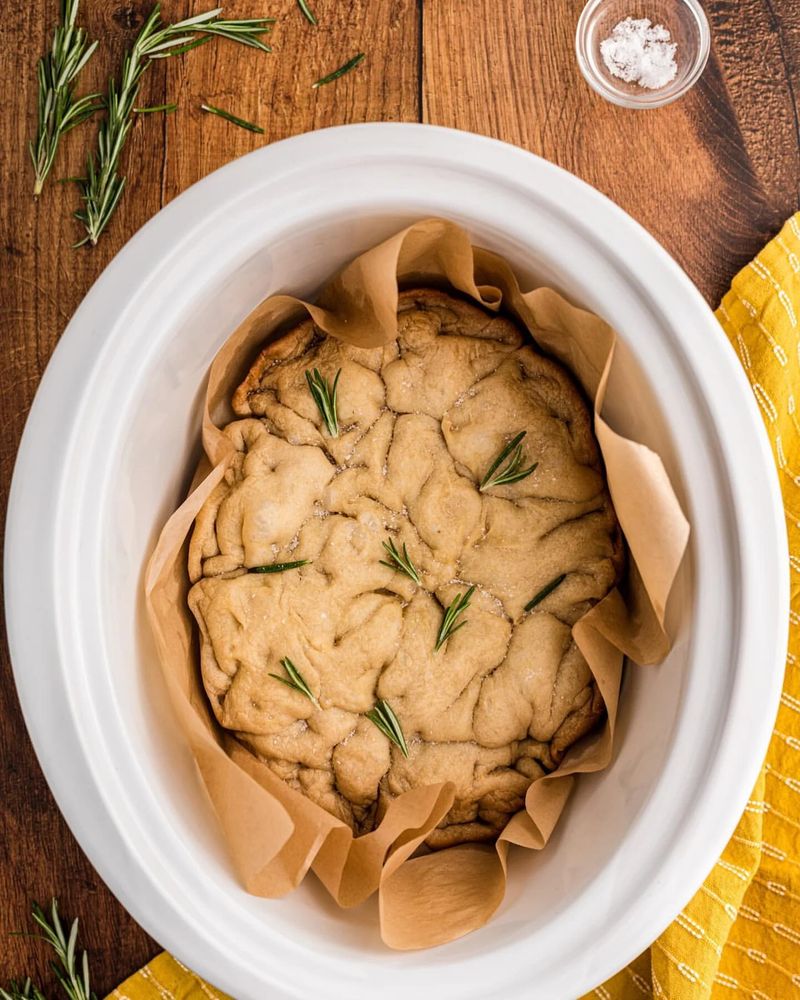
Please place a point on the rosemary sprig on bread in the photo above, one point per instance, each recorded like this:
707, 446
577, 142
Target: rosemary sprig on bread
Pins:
324, 395
382, 716
506, 468
400, 561
295, 680
450, 623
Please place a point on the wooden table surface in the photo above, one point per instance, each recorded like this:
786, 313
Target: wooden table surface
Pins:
712, 177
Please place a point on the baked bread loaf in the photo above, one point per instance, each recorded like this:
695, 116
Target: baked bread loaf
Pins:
329, 671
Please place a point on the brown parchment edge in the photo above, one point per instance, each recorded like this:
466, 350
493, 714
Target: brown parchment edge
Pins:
275, 834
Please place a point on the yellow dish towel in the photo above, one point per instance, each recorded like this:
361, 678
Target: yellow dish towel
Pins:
740, 935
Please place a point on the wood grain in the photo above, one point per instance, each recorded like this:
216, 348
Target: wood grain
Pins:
276, 92
45, 280
712, 177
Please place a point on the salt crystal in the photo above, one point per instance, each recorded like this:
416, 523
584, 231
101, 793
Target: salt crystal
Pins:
639, 52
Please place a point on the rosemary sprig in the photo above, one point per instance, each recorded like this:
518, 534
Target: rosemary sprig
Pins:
74, 980
279, 567
545, 592
295, 680
59, 109
103, 185
22, 991
457, 607
241, 122
307, 12
499, 474
384, 718
325, 397
350, 64
400, 561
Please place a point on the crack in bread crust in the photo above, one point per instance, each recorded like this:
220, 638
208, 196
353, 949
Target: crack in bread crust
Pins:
421, 420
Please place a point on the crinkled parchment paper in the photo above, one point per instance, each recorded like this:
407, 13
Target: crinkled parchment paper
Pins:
273, 833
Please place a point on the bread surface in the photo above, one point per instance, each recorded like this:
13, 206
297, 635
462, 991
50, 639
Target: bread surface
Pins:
421, 421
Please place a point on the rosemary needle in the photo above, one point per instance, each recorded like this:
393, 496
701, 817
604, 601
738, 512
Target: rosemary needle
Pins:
350, 64
457, 607
295, 680
155, 107
545, 592
499, 474
309, 15
279, 567
241, 122
384, 718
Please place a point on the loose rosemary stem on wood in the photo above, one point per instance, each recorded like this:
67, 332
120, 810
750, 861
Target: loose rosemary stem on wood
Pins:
241, 122
58, 108
350, 64
103, 184
171, 106
307, 12
72, 975
22, 991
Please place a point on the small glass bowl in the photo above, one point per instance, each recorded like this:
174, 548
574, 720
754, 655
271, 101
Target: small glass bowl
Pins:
688, 26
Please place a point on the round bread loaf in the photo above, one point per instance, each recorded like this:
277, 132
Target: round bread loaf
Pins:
296, 661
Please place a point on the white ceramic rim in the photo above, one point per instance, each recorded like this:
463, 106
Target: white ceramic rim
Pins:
40, 639
648, 99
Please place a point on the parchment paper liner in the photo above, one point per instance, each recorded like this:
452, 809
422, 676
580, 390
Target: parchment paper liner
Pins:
275, 834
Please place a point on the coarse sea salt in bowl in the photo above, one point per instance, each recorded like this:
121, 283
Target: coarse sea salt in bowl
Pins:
642, 53
107, 456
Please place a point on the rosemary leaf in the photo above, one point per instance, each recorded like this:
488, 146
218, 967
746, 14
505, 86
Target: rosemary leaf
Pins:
279, 567
241, 122
307, 12
194, 44
499, 474
102, 186
450, 623
384, 718
324, 395
545, 592
295, 680
402, 562
58, 108
350, 64
156, 107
